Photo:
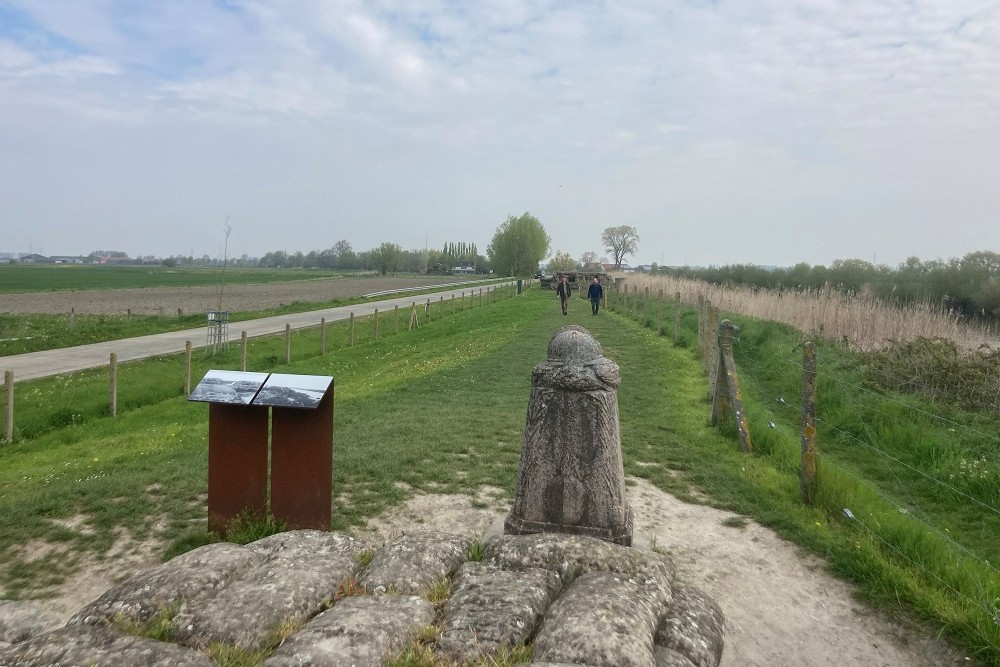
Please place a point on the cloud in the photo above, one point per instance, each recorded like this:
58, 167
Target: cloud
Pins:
659, 111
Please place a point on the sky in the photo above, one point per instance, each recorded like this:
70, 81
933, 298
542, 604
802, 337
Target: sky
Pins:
752, 131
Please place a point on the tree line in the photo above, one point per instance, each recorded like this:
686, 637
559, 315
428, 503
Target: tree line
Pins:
386, 258
969, 285
517, 247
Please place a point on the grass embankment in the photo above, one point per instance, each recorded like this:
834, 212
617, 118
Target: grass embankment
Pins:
442, 409
33, 333
908, 490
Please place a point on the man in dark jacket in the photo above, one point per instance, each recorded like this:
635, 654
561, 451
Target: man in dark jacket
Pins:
563, 291
595, 293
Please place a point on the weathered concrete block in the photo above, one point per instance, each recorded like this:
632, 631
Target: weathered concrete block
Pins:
668, 657
693, 626
571, 478
98, 645
20, 620
573, 555
195, 575
410, 564
293, 584
356, 631
603, 619
491, 609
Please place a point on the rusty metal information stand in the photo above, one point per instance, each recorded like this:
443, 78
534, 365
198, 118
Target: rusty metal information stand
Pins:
300, 411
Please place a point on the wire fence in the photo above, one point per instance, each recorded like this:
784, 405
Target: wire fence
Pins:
935, 509
35, 407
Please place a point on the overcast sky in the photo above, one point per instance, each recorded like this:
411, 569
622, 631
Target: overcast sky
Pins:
760, 131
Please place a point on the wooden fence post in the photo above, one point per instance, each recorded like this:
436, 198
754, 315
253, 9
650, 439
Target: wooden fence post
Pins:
808, 473
243, 351
352, 330
453, 304
72, 317
677, 318
659, 313
8, 406
712, 338
707, 344
701, 327
288, 343
376, 324
187, 367
322, 336
427, 309
113, 386
463, 301
395, 316
414, 320
727, 394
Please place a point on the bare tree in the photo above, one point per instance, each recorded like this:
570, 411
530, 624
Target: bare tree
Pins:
589, 257
620, 241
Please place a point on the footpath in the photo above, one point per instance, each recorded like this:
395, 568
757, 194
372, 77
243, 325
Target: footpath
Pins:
32, 365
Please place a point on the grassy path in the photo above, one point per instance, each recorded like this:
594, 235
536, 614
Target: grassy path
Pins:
439, 409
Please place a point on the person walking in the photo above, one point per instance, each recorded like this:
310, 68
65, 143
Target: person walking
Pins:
595, 293
563, 291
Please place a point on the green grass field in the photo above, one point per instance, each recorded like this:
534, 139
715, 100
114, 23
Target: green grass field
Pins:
441, 409
52, 277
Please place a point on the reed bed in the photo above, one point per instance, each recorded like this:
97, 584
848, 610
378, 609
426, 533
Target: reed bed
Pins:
860, 320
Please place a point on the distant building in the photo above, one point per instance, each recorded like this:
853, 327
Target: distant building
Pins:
624, 267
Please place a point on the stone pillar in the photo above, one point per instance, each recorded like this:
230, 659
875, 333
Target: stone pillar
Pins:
571, 478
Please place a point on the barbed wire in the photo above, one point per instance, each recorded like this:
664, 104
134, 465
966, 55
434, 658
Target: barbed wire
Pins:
881, 452
992, 613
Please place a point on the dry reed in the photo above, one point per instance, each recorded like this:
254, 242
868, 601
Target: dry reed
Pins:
860, 320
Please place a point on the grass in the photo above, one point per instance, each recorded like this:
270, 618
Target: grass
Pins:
15, 278
33, 333
911, 540
441, 408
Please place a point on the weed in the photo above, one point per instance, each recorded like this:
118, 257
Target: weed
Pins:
348, 588
477, 550
160, 627
364, 558
249, 527
735, 522
439, 593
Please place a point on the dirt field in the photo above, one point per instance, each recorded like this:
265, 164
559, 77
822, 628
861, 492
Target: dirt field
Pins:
237, 298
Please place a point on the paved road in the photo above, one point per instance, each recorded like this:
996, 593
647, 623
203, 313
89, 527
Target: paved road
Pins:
69, 359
